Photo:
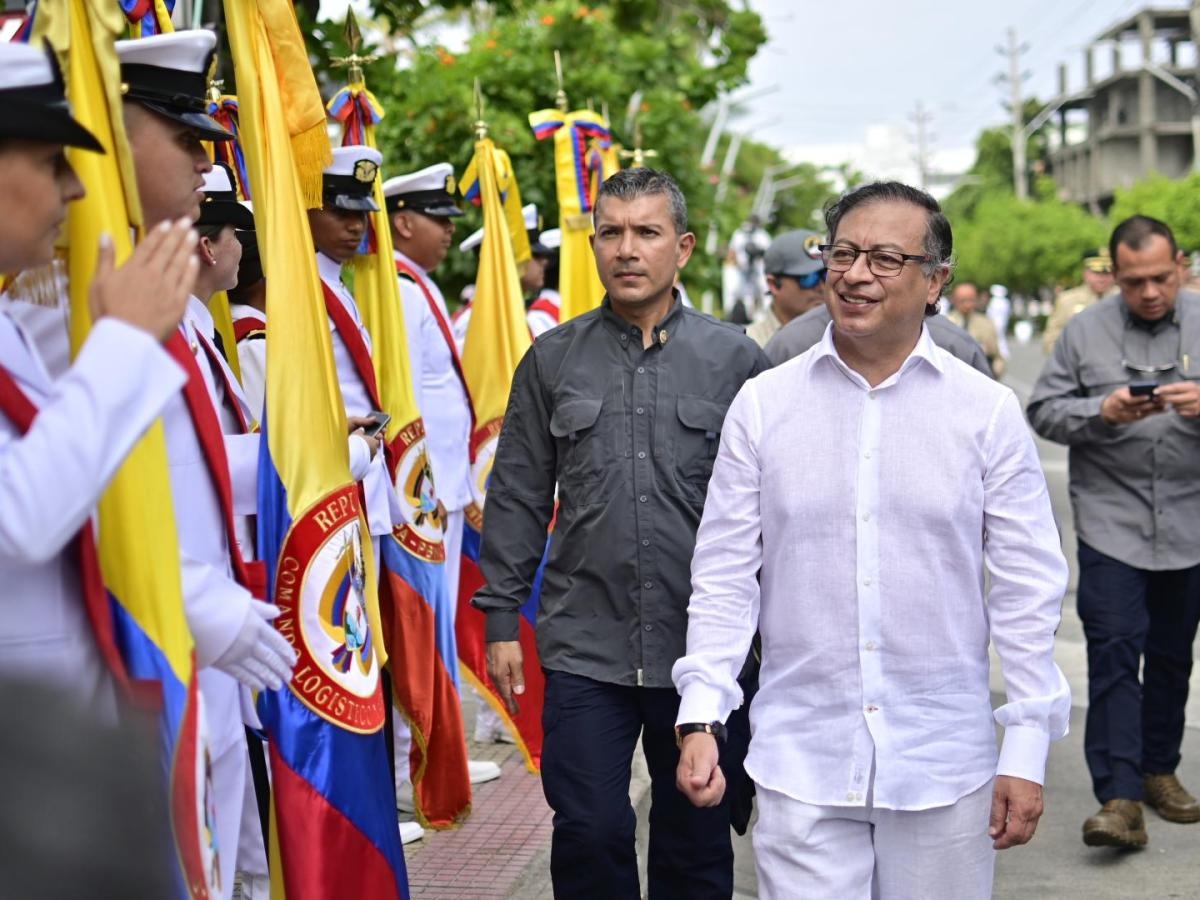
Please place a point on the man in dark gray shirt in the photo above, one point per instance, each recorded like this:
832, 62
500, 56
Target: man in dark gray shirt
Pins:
807, 330
622, 408
1119, 391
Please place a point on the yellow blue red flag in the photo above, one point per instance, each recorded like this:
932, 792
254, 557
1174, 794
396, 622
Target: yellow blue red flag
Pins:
497, 338
572, 132
334, 834
418, 620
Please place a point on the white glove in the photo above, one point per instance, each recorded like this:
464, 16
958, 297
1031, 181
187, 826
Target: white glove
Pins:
259, 657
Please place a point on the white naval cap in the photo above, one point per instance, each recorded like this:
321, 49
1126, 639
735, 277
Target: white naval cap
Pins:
220, 205
349, 180
33, 104
429, 191
551, 239
529, 212
168, 73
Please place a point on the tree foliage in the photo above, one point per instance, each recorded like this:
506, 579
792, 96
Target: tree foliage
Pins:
669, 58
1175, 202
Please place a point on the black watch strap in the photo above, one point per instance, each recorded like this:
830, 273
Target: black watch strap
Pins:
716, 729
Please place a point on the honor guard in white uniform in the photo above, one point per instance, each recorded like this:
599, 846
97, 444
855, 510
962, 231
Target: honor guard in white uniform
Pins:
421, 210
543, 305
212, 482
338, 230
248, 306
61, 441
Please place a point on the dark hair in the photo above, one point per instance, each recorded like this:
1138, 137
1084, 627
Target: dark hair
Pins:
211, 231
1135, 231
630, 183
939, 238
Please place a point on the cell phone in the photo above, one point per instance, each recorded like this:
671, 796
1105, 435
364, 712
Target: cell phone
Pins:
381, 422
1143, 388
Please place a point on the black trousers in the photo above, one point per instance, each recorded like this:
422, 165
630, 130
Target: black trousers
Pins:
1135, 728
591, 731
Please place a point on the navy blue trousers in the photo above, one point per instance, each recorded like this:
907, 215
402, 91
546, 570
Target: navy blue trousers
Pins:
1135, 727
591, 731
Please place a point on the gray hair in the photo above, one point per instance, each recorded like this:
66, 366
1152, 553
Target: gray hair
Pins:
939, 239
630, 183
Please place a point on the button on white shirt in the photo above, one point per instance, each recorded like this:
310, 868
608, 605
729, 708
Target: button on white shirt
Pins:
872, 514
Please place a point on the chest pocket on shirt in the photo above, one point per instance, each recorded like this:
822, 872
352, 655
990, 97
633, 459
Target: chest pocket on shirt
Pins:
1103, 378
582, 447
697, 440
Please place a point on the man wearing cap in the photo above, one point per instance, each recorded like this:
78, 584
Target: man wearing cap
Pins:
421, 210
61, 441
806, 331
236, 646
546, 309
795, 281
1097, 281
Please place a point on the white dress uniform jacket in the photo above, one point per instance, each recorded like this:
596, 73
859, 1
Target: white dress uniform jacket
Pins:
383, 507
252, 357
440, 394
51, 479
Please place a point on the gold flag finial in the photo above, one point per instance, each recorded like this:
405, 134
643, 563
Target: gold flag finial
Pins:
637, 154
481, 128
354, 40
560, 99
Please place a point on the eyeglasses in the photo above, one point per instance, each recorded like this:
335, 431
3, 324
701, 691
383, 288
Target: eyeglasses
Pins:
840, 257
1149, 370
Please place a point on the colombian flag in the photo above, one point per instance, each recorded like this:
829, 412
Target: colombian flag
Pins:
497, 338
137, 521
578, 282
510, 197
333, 825
414, 604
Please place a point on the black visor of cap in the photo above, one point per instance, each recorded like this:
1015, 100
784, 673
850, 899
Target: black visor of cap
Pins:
347, 192
431, 203
222, 208
174, 94
40, 113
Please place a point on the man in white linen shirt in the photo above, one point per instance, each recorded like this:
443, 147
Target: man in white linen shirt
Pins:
859, 492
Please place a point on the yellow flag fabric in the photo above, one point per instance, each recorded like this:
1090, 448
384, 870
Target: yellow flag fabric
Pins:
136, 513
218, 306
498, 335
577, 280
510, 195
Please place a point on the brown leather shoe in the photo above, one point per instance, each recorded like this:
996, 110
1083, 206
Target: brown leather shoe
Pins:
1171, 799
1118, 824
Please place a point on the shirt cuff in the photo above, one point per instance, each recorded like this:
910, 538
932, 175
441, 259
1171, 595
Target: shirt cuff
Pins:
1023, 753
700, 703
503, 625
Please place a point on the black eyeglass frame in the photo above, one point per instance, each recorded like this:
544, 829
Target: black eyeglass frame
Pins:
827, 250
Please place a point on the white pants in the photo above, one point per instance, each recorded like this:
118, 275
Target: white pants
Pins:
856, 853
229, 786
452, 540
251, 854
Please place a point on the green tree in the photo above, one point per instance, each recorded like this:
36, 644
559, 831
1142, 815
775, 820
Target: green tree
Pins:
673, 57
1175, 202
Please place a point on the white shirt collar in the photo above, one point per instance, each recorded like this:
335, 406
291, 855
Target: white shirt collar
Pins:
328, 268
200, 317
415, 266
925, 350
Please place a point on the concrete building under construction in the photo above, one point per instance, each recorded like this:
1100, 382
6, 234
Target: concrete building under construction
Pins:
1140, 117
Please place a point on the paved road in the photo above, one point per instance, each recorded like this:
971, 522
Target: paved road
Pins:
1057, 864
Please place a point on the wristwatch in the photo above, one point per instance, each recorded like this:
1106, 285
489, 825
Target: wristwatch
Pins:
716, 729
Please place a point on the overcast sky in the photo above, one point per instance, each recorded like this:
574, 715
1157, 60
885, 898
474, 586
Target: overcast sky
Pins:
849, 73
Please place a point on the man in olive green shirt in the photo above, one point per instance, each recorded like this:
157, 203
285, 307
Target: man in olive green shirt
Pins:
1097, 281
